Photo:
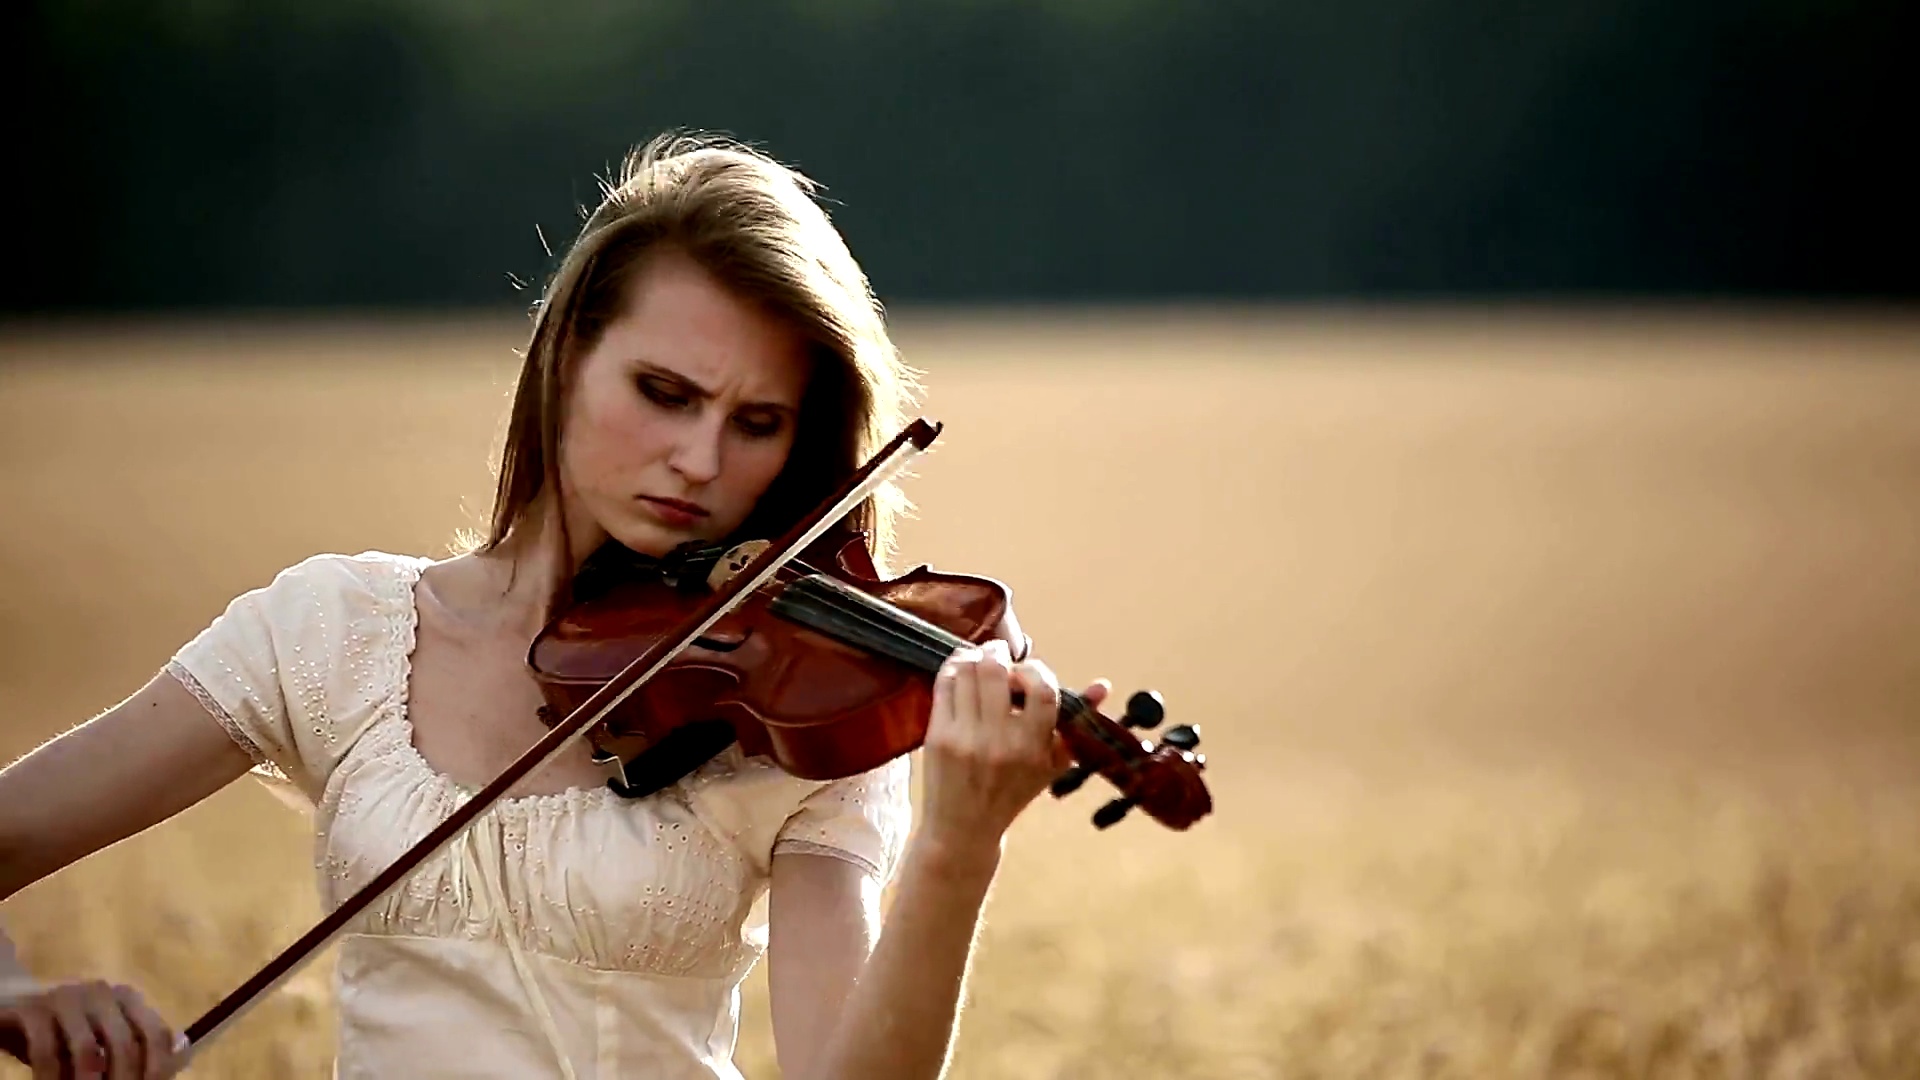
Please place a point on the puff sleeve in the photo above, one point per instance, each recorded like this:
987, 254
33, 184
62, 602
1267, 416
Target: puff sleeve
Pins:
861, 819
276, 671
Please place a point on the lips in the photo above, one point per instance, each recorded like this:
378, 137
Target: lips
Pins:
677, 504
675, 513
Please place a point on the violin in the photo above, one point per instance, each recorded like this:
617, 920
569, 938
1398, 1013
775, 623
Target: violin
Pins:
817, 663
828, 673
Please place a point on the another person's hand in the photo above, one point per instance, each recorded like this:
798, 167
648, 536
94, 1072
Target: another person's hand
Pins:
89, 1029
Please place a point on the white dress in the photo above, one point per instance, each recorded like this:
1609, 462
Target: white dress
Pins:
576, 935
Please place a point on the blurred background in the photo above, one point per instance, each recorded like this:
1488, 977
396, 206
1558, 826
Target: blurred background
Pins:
1497, 425
392, 153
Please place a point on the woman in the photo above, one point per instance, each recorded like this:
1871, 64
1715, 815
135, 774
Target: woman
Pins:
707, 363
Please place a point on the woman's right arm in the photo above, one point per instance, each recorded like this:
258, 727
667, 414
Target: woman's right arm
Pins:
132, 767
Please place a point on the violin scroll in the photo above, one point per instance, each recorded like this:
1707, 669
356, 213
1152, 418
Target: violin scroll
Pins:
1163, 779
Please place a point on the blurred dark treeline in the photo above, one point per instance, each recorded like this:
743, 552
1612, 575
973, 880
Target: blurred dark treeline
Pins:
271, 153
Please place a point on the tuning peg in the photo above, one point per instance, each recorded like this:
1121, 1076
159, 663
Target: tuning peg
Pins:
1068, 782
1183, 737
1145, 709
1111, 813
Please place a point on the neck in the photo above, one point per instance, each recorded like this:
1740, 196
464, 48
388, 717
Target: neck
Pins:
529, 566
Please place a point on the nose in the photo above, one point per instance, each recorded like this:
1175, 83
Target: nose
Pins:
696, 455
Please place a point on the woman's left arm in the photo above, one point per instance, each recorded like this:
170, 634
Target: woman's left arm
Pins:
852, 1000
835, 978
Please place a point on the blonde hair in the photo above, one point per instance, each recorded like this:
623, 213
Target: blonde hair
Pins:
753, 224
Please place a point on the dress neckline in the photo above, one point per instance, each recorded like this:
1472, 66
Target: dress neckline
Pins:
406, 639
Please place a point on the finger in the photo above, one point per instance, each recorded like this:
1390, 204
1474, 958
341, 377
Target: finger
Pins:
76, 1030
1039, 719
994, 676
1042, 689
966, 689
156, 1039
42, 1037
946, 684
124, 1060
1097, 692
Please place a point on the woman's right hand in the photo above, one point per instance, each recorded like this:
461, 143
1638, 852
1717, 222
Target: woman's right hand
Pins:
90, 1029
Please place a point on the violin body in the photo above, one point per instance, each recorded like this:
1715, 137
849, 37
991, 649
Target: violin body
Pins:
800, 672
797, 650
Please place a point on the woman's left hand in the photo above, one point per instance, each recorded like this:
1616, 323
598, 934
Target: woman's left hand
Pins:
985, 759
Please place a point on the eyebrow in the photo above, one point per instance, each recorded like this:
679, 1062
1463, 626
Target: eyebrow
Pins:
694, 389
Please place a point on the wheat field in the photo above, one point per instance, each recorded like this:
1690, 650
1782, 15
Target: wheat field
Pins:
1559, 672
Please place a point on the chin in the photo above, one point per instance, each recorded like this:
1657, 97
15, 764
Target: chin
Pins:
655, 538
651, 539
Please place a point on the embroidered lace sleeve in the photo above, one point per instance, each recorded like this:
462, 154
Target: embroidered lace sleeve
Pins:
289, 666
862, 819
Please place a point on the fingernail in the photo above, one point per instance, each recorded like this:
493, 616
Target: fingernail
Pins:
180, 1043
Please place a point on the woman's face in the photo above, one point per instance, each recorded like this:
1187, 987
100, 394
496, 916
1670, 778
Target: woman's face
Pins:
681, 416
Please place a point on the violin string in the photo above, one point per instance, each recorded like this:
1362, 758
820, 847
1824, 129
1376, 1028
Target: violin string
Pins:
935, 644
797, 570
842, 611
939, 644
942, 641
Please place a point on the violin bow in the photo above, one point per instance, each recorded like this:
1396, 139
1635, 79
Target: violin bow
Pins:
882, 467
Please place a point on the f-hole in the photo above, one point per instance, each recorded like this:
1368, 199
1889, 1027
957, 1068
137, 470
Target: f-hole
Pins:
721, 645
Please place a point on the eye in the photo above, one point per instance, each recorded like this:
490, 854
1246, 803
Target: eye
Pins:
759, 425
662, 393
